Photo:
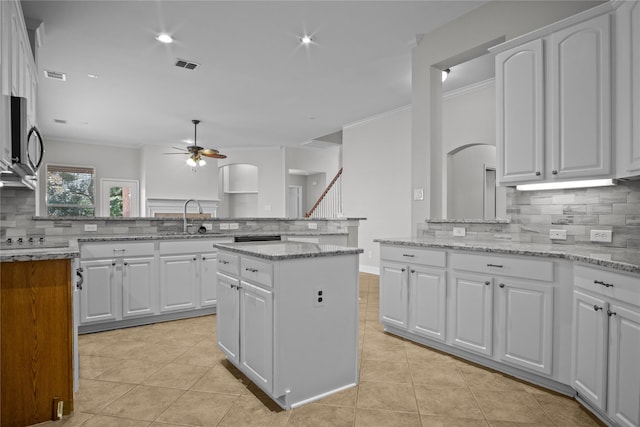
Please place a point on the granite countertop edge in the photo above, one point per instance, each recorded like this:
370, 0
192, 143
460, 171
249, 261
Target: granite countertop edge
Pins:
179, 217
489, 247
181, 236
335, 251
44, 254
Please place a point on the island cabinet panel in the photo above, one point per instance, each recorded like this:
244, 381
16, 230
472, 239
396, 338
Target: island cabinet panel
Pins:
36, 340
293, 327
208, 279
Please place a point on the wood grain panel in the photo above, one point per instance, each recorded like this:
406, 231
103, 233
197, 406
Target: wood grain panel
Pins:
36, 340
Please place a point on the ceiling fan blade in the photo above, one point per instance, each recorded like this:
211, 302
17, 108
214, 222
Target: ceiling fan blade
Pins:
208, 151
182, 154
215, 155
180, 148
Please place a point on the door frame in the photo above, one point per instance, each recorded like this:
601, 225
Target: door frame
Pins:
106, 183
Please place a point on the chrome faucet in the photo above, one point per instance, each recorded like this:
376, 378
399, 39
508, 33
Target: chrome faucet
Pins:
184, 216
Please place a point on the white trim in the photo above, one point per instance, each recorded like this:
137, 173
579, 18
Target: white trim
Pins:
473, 87
177, 206
370, 269
376, 117
135, 197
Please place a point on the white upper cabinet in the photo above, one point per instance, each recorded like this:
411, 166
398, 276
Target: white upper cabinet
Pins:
627, 81
553, 90
520, 107
580, 99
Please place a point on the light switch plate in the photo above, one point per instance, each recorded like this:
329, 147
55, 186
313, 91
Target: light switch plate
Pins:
418, 194
224, 226
91, 227
233, 226
208, 226
312, 226
459, 231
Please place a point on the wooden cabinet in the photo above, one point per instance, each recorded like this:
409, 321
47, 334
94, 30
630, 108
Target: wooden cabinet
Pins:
606, 342
472, 313
290, 325
554, 104
36, 321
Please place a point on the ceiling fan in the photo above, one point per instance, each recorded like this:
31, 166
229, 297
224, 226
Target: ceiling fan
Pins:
196, 152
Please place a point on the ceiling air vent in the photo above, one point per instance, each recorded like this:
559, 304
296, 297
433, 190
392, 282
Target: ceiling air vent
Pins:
55, 75
181, 63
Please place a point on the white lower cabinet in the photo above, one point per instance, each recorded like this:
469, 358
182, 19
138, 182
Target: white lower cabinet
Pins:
178, 276
208, 279
427, 307
606, 342
139, 287
291, 325
99, 293
394, 294
472, 313
525, 321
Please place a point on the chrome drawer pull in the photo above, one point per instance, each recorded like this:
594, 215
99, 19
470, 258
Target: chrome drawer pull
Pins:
611, 313
596, 308
494, 265
408, 255
600, 282
223, 261
251, 270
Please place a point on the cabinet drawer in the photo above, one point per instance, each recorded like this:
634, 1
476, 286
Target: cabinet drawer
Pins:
257, 271
603, 282
229, 263
111, 250
414, 255
525, 268
190, 246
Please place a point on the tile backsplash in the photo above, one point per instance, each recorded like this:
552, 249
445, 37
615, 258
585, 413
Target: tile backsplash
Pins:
578, 211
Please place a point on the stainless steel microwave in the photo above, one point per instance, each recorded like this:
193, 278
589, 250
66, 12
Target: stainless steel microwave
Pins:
27, 147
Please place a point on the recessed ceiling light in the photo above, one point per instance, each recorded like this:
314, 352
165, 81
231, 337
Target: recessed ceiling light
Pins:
306, 39
164, 38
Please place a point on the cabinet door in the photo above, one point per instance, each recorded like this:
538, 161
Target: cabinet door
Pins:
394, 294
588, 372
5, 111
256, 334
139, 287
99, 297
624, 369
580, 93
525, 325
208, 279
177, 282
472, 314
228, 317
428, 299
520, 112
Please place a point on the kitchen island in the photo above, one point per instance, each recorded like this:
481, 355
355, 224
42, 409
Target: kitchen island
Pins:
287, 317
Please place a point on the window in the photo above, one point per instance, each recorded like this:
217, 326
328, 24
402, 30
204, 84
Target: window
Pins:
70, 191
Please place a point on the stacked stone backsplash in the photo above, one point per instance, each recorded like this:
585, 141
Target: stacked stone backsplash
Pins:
578, 211
18, 209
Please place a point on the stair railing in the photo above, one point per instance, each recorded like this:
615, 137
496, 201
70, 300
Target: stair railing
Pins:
329, 204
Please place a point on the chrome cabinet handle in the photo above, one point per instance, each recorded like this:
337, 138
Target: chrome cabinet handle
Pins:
403, 269
251, 270
221, 261
126, 263
494, 265
600, 282
554, 172
413, 271
80, 278
611, 313
596, 308
501, 285
408, 255
487, 283
537, 173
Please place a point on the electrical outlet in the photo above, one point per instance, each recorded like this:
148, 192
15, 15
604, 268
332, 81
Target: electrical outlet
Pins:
208, 226
91, 227
312, 226
233, 226
601, 236
459, 231
224, 226
318, 298
558, 234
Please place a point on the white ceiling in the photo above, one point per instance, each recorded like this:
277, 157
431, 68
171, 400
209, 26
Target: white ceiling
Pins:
256, 85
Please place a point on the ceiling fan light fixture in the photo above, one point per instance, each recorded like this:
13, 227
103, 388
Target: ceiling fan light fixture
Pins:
201, 162
191, 162
445, 74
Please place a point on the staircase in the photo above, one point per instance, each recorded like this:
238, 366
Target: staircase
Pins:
329, 204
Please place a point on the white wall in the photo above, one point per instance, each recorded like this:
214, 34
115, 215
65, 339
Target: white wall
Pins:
108, 161
466, 191
271, 177
449, 45
166, 176
377, 180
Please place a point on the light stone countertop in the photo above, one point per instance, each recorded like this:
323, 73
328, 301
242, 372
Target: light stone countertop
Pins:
39, 254
286, 250
627, 260
173, 236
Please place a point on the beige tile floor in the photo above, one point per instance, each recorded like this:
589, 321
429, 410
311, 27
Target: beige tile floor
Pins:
172, 374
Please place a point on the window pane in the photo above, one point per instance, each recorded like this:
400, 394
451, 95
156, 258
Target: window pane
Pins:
71, 187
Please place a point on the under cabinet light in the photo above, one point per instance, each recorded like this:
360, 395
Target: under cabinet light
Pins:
566, 184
